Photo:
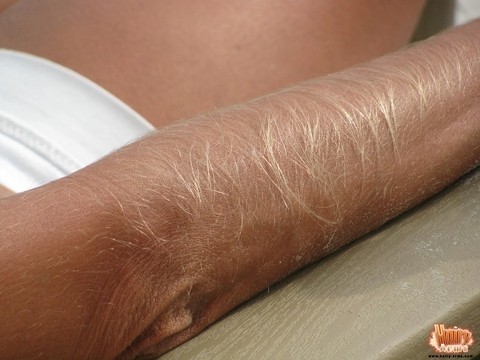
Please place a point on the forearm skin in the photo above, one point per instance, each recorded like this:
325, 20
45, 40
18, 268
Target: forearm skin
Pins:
187, 223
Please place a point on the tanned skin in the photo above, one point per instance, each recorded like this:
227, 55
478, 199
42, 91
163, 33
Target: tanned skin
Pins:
174, 60
4, 192
140, 251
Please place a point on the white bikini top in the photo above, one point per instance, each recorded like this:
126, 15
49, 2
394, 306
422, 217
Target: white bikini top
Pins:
54, 121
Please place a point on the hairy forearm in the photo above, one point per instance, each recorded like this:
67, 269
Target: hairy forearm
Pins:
169, 233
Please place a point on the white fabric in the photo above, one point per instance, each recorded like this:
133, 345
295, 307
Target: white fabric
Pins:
54, 121
466, 10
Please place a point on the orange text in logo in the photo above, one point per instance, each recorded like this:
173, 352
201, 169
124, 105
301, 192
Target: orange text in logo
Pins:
450, 340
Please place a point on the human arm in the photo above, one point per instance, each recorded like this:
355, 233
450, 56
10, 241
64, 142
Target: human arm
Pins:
4, 192
153, 243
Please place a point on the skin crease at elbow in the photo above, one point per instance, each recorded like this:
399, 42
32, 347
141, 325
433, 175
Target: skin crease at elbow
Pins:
284, 167
369, 123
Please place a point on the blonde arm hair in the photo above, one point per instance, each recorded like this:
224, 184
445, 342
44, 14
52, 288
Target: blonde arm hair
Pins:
158, 240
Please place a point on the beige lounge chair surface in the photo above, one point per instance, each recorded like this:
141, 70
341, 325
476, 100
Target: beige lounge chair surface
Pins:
378, 298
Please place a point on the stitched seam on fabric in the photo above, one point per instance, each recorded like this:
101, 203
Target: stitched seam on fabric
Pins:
37, 144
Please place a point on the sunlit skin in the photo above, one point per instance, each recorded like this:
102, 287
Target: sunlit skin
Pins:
173, 60
4, 192
139, 252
